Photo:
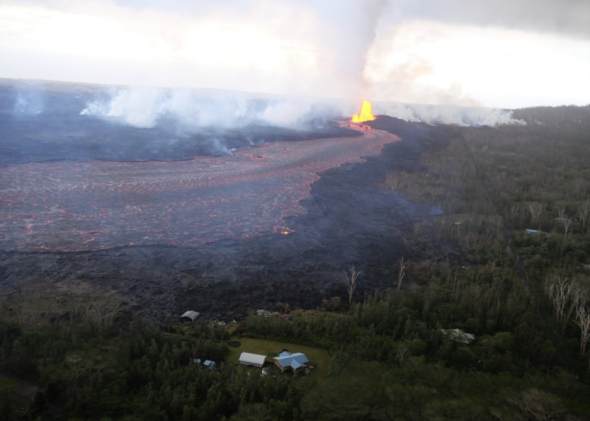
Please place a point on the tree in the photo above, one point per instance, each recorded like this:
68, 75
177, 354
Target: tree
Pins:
561, 212
514, 212
7, 406
579, 298
584, 212
331, 304
401, 273
283, 307
351, 282
402, 349
583, 320
559, 292
566, 225
535, 209
434, 193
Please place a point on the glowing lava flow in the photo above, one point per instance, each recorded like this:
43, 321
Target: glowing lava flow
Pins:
76, 206
366, 113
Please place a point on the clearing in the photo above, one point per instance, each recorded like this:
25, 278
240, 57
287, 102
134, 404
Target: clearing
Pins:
318, 357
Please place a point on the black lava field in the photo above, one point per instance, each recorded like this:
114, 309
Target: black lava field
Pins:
178, 227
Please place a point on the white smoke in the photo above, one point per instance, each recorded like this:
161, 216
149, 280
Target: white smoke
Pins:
145, 107
350, 28
28, 103
447, 114
191, 110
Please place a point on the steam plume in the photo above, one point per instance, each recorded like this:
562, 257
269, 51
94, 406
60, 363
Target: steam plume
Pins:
351, 30
448, 114
190, 110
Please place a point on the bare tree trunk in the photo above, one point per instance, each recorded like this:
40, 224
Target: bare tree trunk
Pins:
535, 208
401, 273
584, 212
351, 282
566, 225
579, 298
559, 291
402, 349
583, 320
561, 211
514, 212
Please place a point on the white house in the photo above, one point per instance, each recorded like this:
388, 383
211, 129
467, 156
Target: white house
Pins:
254, 360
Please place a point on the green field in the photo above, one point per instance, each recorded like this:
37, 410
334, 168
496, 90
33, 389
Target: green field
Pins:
319, 358
8, 383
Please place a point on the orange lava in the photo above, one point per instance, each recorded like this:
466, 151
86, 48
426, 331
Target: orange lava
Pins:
366, 113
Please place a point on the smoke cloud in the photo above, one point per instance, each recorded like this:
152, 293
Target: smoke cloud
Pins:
192, 110
402, 82
448, 114
350, 30
29, 102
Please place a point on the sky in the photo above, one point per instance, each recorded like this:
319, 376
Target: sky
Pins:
505, 53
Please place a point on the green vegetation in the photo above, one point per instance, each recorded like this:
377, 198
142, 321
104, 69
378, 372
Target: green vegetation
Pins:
385, 358
515, 178
8, 383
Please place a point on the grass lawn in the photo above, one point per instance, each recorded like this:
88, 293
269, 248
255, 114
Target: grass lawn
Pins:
317, 356
8, 383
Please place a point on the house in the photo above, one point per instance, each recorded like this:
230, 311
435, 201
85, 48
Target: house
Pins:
288, 361
254, 360
190, 316
209, 364
196, 361
458, 335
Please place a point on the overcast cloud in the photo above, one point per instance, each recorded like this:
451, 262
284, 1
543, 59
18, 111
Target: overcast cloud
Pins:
457, 52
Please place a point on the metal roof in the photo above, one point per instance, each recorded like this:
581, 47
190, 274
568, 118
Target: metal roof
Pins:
295, 360
252, 358
193, 315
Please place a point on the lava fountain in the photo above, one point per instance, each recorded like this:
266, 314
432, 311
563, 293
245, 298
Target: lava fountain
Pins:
365, 114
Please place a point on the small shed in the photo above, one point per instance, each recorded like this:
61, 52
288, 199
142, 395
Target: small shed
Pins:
209, 364
288, 361
458, 335
254, 360
190, 316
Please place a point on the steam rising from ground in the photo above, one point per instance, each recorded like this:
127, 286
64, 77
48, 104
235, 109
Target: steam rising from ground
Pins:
191, 110
28, 102
448, 114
